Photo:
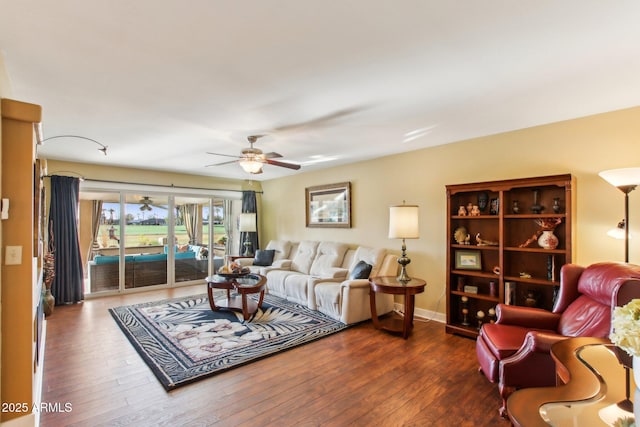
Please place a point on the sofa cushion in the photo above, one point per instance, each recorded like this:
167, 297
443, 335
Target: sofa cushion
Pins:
328, 299
275, 281
361, 271
601, 279
371, 256
184, 255
282, 249
106, 259
585, 318
150, 257
295, 288
304, 256
264, 257
328, 255
111, 259
201, 252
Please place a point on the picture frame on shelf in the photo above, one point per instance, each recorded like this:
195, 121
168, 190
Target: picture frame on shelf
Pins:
494, 207
468, 260
471, 289
329, 205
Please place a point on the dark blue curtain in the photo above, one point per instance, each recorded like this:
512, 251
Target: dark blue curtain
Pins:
249, 205
67, 285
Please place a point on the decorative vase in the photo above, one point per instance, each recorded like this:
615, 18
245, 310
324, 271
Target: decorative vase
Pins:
548, 240
48, 302
536, 208
531, 299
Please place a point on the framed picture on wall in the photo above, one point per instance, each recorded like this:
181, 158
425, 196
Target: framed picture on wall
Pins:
329, 205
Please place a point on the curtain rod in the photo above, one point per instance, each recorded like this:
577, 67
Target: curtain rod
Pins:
154, 185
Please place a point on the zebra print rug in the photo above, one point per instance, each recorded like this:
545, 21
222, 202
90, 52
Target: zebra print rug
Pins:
182, 340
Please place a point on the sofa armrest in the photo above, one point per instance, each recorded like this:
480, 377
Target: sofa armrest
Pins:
541, 341
532, 364
355, 283
527, 317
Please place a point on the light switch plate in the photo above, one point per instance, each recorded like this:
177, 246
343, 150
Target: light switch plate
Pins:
13, 255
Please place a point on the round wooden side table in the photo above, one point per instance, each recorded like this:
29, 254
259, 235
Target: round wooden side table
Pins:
391, 285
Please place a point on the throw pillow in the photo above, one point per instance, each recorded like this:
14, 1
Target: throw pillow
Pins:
264, 257
183, 248
361, 271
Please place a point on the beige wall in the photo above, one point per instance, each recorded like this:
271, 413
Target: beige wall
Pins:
582, 147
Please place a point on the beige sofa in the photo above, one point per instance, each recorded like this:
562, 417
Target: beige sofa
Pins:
318, 275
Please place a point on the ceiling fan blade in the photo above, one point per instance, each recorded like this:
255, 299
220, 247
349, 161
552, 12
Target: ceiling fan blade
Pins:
225, 155
319, 121
283, 164
271, 155
223, 163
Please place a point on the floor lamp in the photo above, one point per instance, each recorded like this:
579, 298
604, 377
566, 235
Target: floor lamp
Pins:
247, 225
626, 181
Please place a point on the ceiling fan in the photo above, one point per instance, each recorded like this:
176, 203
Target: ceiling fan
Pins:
146, 203
252, 159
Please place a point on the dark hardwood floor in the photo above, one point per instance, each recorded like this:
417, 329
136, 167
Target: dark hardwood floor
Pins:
357, 377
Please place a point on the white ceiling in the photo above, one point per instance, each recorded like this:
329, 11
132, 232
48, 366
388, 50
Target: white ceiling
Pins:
161, 82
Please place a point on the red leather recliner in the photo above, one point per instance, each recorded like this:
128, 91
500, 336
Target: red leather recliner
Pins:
515, 351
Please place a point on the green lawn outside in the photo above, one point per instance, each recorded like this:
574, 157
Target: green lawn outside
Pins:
149, 235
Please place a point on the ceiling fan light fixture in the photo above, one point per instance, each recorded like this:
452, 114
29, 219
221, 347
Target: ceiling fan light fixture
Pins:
251, 165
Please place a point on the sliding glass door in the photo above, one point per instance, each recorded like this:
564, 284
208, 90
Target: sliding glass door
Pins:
136, 240
145, 235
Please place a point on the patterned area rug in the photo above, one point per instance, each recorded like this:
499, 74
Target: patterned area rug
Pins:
183, 340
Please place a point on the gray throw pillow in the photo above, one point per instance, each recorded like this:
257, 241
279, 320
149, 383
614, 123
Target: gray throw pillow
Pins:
361, 271
264, 257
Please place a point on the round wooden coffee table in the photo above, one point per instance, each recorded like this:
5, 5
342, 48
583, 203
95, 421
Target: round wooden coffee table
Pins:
243, 286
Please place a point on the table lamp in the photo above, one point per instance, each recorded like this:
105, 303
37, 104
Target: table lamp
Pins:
403, 224
247, 224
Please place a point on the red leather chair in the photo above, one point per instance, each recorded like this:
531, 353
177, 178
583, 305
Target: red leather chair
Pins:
515, 350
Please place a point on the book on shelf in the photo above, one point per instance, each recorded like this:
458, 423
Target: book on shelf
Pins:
510, 293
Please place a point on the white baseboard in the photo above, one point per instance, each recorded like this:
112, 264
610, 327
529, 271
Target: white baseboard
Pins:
28, 420
423, 314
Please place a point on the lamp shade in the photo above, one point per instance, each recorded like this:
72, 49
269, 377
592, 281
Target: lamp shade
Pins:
621, 177
619, 232
403, 222
247, 222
